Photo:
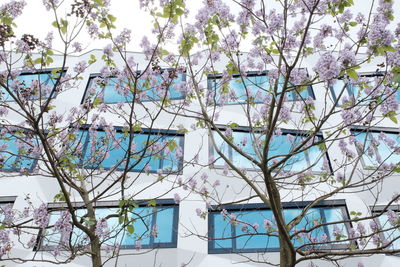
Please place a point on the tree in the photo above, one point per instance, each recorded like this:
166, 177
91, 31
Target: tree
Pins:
272, 145
276, 165
77, 147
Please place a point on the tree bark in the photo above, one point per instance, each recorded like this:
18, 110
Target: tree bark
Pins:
96, 252
287, 256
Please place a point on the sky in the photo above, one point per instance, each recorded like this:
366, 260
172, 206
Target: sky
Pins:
37, 21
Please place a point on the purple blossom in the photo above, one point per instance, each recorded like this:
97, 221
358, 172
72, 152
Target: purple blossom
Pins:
13, 8
107, 50
216, 183
350, 115
3, 111
41, 216
192, 183
347, 57
93, 30
374, 226
376, 240
204, 176
102, 230
392, 217
5, 242
177, 198
327, 67
8, 213
80, 67
337, 232
77, 47
361, 228
64, 227
324, 238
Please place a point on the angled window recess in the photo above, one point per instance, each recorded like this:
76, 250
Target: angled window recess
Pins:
32, 85
377, 146
388, 223
151, 150
254, 88
18, 150
6, 203
250, 143
166, 84
369, 87
252, 227
155, 225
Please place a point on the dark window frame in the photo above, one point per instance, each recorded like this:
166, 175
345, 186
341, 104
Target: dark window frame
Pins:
57, 206
215, 210
7, 199
245, 129
163, 132
212, 78
98, 75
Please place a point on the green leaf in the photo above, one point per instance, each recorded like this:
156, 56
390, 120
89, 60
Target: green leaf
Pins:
353, 23
393, 118
137, 127
130, 229
352, 74
233, 125
111, 18
152, 203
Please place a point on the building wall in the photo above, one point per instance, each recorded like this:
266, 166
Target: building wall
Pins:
191, 248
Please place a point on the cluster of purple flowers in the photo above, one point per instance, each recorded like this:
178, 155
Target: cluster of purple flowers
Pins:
41, 216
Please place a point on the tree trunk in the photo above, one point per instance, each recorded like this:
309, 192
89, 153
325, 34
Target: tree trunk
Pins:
96, 252
287, 256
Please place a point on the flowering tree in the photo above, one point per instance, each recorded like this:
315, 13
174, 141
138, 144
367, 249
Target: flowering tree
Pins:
320, 79
77, 149
303, 116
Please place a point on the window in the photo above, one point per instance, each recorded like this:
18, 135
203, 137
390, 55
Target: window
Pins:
366, 89
254, 88
32, 86
18, 150
6, 204
377, 146
252, 228
155, 225
389, 227
281, 145
151, 150
153, 88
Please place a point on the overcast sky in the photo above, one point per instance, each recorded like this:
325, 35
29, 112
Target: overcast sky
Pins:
37, 21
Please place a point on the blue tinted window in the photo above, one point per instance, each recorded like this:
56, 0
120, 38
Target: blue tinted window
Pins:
367, 88
31, 86
154, 227
17, 151
253, 88
281, 145
150, 152
390, 231
113, 90
245, 228
377, 148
